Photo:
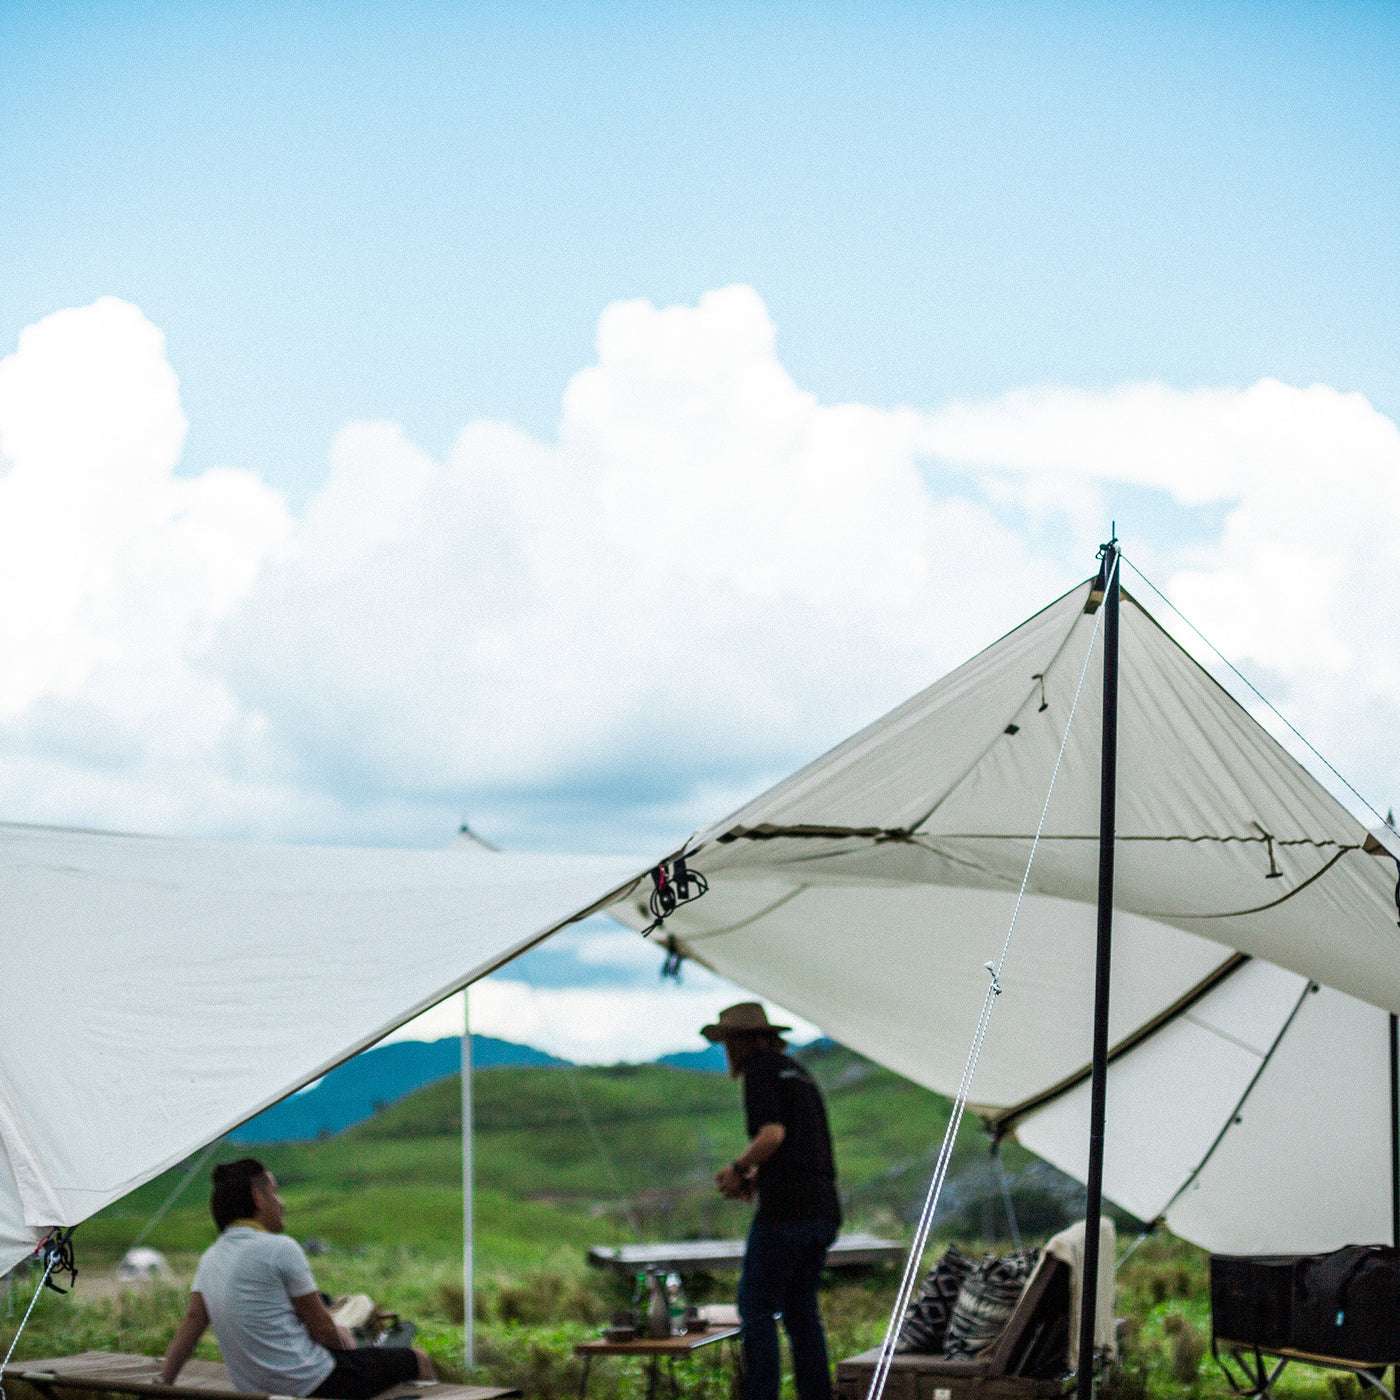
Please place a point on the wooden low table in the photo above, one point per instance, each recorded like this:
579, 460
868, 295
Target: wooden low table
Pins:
655, 1348
121, 1373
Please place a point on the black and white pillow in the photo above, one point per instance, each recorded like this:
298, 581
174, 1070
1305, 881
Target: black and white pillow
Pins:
927, 1318
986, 1300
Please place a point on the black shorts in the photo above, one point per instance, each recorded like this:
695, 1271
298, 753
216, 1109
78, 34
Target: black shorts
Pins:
366, 1371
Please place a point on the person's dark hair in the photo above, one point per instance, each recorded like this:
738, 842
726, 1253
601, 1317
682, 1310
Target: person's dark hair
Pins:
743, 1046
759, 1041
232, 1196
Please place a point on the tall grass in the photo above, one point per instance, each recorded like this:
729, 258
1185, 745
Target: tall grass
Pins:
529, 1317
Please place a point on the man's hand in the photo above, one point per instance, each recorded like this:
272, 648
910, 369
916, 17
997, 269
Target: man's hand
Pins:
736, 1181
734, 1185
319, 1323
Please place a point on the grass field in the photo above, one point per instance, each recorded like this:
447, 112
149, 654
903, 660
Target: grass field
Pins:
384, 1198
599, 1147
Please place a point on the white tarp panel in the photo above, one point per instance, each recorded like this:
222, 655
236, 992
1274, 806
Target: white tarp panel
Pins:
1303, 1158
157, 993
867, 891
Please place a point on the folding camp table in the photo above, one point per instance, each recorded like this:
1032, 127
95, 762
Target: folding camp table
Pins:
1260, 1367
1269, 1309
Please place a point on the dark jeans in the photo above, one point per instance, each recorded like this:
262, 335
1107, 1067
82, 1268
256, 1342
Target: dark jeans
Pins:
782, 1264
364, 1372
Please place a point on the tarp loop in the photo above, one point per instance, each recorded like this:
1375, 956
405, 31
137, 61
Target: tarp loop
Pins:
989, 1000
57, 1253
1274, 872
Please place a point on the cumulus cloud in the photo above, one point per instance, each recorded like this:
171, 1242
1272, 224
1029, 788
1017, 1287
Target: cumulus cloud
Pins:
115, 574
1298, 583
591, 1025
706, 577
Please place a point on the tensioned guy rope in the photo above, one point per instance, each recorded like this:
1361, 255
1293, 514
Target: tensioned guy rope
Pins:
54, 1255
945, 1153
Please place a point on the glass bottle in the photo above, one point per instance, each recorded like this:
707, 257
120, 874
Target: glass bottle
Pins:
675, 1303
658, 1308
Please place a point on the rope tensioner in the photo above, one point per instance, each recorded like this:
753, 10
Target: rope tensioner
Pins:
55, 1252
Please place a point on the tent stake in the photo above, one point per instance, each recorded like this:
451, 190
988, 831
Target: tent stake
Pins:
1103, 953
468, 1244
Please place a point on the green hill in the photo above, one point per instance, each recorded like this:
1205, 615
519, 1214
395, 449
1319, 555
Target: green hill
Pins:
565, 1157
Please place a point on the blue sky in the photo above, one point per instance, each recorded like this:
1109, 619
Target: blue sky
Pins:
418, 211
575, 417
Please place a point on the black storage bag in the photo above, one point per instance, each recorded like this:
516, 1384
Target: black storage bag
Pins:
1347, 1304
1251, 1297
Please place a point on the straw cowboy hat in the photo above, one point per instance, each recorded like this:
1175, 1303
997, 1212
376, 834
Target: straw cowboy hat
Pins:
739, 1020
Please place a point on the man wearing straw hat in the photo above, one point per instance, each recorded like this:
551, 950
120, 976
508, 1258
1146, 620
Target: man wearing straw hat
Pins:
788, 1165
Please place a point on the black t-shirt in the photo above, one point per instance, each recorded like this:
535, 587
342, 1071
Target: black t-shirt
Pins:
798, 1182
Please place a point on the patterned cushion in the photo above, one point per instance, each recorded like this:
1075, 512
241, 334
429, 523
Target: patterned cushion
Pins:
986, 1300
927, 1319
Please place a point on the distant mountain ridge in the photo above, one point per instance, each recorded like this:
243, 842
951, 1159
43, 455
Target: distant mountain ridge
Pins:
710, 1060
384, 1074
374, 1079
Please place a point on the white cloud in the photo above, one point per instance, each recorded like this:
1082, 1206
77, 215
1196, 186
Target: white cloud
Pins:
114, 573
620, 948
709, 573
1299, 585
706, 577
591, 1025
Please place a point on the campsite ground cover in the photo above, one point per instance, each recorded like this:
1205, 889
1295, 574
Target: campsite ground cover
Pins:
529, 1317
384, 1197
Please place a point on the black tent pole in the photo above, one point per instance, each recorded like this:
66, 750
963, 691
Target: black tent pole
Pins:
1107, 584
1394, 1149
1395, 1130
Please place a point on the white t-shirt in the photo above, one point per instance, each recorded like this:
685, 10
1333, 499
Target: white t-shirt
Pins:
248, 1279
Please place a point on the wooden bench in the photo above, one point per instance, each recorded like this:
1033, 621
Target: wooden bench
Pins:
120, 1373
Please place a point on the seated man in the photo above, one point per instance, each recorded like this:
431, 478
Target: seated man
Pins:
255, 1286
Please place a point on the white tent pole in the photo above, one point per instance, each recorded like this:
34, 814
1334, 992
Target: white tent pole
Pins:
1108, 789
468, 1246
